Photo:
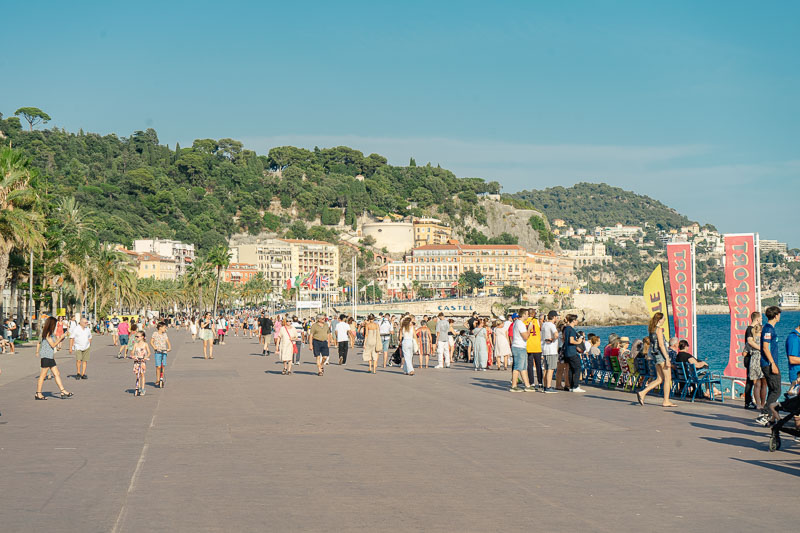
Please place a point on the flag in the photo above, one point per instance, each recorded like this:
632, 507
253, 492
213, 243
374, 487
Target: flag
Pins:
324, 282
655, 295
291, 283
743, 285
680, 258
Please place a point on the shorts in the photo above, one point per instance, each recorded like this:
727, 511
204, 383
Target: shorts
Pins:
161, 358
520, 358
658, 357
82, 355
123, 340
551, 362
47, 362
385, 342
320, 348
139, 365
206, 335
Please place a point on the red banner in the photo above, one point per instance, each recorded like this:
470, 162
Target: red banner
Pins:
680, 258
741, 279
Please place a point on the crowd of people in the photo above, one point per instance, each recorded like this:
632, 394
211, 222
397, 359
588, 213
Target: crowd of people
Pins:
545, 353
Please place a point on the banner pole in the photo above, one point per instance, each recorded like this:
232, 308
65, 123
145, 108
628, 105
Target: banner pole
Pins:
758, 271
694, 301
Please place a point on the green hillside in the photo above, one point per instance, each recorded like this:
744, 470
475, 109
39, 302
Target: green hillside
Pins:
136, 187
586, 205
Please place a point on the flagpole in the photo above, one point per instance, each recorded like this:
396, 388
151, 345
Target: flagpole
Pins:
694, 301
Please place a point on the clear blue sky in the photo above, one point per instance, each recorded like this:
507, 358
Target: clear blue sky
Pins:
693, 103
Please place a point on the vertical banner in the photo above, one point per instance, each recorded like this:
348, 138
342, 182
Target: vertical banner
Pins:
655, 296
742, 282
680, 261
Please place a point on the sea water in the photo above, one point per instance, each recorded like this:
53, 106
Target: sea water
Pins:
713, 338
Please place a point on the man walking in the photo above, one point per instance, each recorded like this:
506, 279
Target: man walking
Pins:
534, 348
443, 328
80, 341
550, 350
343, 333
385, 330
319, 342
265, 331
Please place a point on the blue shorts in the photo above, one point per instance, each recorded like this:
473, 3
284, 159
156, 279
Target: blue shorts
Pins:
520, 356
161, 358
123, 340
385, 342
320, 348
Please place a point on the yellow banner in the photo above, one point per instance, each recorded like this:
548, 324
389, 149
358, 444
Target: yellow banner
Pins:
655, 295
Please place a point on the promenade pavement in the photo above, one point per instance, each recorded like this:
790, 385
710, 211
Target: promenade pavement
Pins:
232, 445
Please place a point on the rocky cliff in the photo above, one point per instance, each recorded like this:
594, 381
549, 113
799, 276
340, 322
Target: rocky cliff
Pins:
502, 218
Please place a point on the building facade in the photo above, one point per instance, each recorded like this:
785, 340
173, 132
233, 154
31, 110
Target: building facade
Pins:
430, 231
239, 273
546, 273
439, 266
283, 259
155, 266
182, 253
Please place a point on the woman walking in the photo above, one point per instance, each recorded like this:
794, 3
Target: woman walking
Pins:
407, 345
372, 343
193, 328
755, 372
658, 351
286, 344
47, 361
480, 352
207, 336
425, 341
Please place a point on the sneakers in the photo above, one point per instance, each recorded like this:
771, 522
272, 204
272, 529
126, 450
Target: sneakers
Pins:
438, 366
763, 420
577, 389
83, 376
530, 389
515, 389
550, 390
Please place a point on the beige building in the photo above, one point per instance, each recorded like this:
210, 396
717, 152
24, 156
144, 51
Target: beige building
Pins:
430, 231
546, 272
182, 253
439, 266
283, 259
155, 266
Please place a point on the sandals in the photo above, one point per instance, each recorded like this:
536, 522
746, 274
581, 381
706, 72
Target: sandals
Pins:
65, 394
39, 396
283, 372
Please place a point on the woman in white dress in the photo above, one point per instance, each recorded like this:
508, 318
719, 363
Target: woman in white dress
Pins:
407, 344
193, 328
286, 345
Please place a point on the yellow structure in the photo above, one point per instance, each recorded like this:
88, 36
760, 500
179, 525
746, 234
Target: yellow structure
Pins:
156, 266
430, 231
546, 273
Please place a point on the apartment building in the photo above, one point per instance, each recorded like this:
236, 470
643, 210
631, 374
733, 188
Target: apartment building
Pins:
546, 272
439, 266
430, 231
283, 259
181, 252
239, 273
150, 265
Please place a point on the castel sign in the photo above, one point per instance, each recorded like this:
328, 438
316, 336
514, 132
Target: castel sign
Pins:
462, 308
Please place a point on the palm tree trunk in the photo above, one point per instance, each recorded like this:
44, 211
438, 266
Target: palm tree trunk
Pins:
216, 293
4, 257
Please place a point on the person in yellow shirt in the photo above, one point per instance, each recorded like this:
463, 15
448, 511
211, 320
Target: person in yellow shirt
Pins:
534, 348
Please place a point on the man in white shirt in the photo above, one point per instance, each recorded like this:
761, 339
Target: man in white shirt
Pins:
385, 330
80, 341
550, 350
343, 333
519, 342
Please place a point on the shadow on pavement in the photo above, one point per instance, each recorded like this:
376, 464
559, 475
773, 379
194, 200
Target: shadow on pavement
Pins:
495, 385
738, 442
752, 432
787, 467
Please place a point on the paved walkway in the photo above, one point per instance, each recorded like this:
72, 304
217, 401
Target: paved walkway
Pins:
232, 445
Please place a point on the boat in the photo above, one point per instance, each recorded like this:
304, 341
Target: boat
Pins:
789, 299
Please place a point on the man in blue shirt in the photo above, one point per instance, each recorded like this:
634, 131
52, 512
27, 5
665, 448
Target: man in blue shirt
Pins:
793, 352
769, 350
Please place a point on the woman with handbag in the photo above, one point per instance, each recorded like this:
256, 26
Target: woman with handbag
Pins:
286, 344
46, 351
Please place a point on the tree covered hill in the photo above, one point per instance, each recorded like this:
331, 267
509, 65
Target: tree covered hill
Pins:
586, 205
136, 187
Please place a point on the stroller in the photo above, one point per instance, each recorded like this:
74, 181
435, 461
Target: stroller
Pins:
462, 346
792, 406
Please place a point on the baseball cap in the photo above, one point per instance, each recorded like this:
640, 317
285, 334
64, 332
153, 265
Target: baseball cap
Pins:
552, 314
514, 315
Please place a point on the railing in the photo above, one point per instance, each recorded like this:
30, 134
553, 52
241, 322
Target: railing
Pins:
740, 382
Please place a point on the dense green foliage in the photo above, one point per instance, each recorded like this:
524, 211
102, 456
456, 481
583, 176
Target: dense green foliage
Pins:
587, 205
474, 236
135, 187
545, 235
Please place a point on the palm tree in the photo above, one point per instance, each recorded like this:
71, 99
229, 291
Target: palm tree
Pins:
75, 245
20, 224
196, 278
219, 258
